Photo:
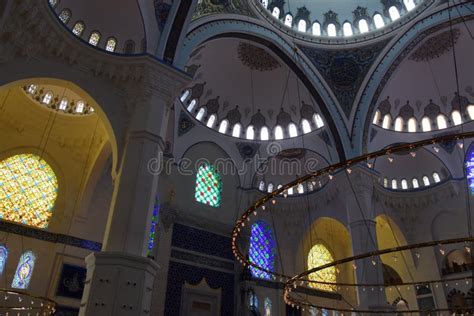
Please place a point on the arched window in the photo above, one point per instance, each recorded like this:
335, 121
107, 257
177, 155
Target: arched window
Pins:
470, 111
316, 29
469, 163
288, 20
387, 121
409, 4
426, 124
31, 88
456, 117
265, 3
290, 191
47, 98
302, 26
332, 31
318, 120
363, 26
385, 182
200, 114
300, 188
65, 16
24, 271
414, 183
394, 184
276, 12
267, 307
53, 3
262, 250
28, 190
261, 185
376, 117
426, 181
211, 121
3, 257
270, 188
250, 133
347, 29
378, 21
264, 133
404, 184
192, 105
292, 130
80, 107
111, 44
185, 95
310, 186
253, 300
319, 255
208, 186
398, 126
78, 28
394, 13
436, 177
223, 126
441, 121
305, 126
94, 38
412, 125
236, 130
63, 104
278, 132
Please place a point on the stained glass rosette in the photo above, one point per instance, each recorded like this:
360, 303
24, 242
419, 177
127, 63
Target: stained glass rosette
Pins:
28, 190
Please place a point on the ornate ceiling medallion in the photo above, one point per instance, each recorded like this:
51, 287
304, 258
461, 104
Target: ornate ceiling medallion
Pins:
256, 58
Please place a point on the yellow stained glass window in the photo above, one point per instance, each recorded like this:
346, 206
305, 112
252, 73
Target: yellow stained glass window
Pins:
318, 256
28, 190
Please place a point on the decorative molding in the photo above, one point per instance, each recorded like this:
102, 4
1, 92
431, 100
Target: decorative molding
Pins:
202, 260
436, 46
49, 236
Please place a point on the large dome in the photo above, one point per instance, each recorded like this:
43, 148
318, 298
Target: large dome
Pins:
349, 20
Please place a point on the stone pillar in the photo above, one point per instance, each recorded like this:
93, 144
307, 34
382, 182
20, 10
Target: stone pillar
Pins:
120, 279
360, 213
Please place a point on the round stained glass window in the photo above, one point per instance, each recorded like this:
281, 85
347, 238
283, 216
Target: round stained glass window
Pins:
28, 190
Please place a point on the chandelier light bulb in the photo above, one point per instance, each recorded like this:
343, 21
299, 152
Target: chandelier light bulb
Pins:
413, 154
461, 145
349, 170
390, 159
436, 148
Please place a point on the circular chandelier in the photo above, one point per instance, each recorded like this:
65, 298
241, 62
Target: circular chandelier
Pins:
21, 303
304, 279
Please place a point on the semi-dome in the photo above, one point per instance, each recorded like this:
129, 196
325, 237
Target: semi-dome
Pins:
350, 19
271, 102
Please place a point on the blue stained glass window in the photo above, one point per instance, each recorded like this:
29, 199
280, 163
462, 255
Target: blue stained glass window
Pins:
470, 169
153, 226
24, 270
3, 257
262, 250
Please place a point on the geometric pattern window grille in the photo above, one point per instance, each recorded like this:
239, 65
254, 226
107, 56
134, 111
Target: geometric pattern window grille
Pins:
28, 190
319, 255
262, 250
24, 271
470, 169
208, 186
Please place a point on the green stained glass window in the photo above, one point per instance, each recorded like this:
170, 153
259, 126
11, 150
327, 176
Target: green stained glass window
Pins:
208, 186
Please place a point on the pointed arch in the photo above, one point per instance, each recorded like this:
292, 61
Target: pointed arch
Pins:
24, 271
